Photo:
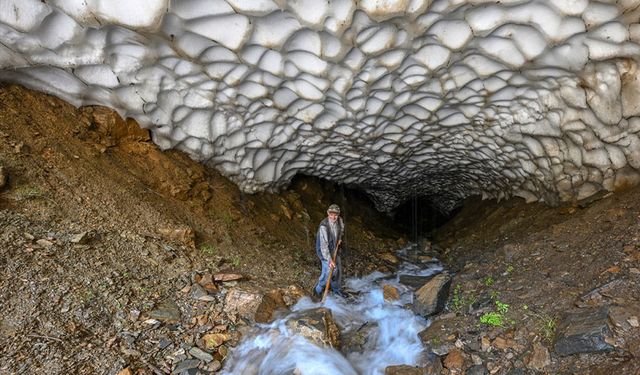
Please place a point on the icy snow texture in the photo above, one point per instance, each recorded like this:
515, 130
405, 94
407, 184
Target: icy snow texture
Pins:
444, 98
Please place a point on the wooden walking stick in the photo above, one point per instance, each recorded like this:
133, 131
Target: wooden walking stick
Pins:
326, 287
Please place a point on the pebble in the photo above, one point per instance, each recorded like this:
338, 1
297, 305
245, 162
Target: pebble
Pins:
201, 354
213, 366
198, 292
224, 277
134, 315
164, 343
166, 311
476, 359
80, 238
186, 365
486, 344
44, 243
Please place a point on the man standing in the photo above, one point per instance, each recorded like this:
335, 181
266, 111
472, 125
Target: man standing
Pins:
329, 235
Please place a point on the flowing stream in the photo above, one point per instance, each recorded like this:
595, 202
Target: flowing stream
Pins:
391, 340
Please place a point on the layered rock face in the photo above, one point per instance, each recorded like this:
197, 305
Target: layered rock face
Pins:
538, 99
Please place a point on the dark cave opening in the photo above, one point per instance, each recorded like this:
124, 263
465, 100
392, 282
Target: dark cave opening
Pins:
418, 216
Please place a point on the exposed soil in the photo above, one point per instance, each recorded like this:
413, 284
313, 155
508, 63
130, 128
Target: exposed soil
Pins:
151, 221
544, 262
99, 228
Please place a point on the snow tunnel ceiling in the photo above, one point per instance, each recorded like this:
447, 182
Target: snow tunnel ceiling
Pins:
443, 98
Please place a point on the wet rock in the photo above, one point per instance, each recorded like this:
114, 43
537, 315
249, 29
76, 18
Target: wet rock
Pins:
166, 311
355, 341
3, 176
430, 298
186, 365
213, 366
390, 258
435, 366
583, 331
243, 303
454, 361
271, 303
201, 354
539, 358
435, 337
413, 281
292, 294
403, 370
316, 325
390, 293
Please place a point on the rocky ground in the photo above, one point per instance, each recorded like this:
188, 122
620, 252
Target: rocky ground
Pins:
543, 290
103, 238
118, 258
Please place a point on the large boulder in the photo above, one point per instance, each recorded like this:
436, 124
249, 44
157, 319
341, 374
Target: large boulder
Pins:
272, 302
584, 331
243, 303
431, 297
356, 340
414, 281
316, 325
256, 306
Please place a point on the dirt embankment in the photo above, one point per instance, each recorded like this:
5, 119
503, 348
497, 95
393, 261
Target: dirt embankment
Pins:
524, 271
97, 224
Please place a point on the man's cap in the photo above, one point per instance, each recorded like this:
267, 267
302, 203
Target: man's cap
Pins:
334, 208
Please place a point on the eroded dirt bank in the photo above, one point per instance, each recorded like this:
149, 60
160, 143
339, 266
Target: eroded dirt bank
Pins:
99, 227
545, 265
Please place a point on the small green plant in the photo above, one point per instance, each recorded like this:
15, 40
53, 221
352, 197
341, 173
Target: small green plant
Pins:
497, 318
547, 326
457, 302
236, 262
87, 297
502, 307
509, 269
492, 318
208, 249
28, 192
488, 281
548, 329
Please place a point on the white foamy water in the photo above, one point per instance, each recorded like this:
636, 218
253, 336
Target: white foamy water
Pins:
392, 337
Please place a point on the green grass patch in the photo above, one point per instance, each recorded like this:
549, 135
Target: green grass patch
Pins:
28, 192
208, 249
